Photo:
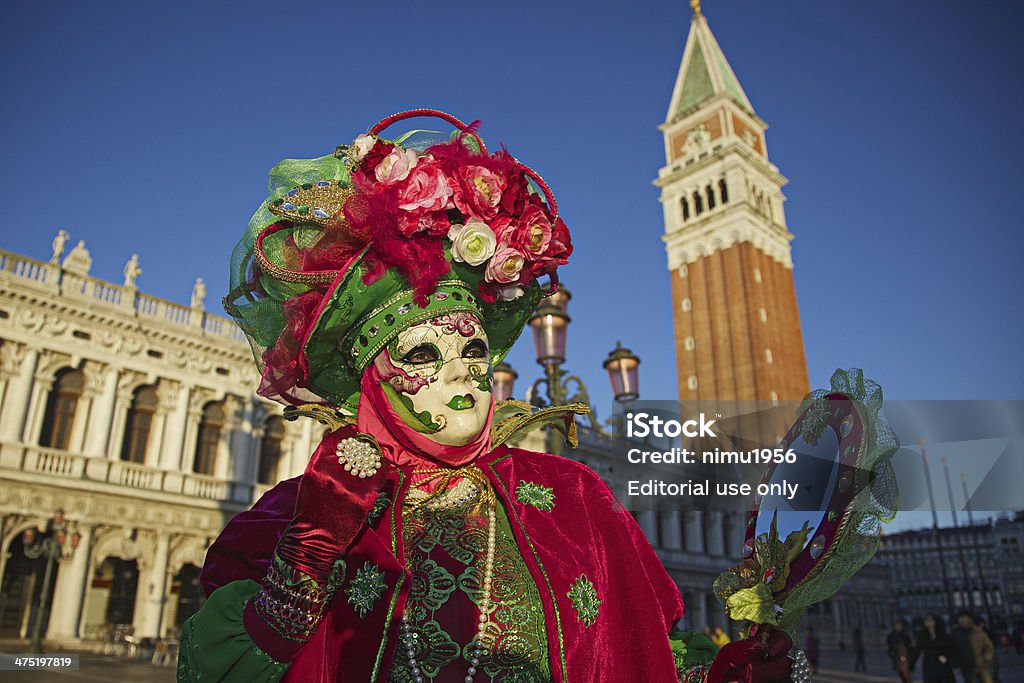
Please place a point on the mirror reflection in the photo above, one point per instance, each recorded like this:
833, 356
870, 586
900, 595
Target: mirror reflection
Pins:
814, 473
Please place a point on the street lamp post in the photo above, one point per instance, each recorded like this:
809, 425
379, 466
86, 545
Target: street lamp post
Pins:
52, 546
550, 326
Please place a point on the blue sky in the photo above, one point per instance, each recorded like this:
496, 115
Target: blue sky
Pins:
149, 128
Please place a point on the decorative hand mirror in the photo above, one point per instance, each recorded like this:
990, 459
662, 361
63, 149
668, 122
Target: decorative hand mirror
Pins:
800, 550
804, 484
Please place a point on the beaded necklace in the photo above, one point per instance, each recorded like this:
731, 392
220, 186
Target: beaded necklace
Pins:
473, 484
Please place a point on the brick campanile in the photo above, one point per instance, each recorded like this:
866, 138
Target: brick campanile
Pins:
737, 328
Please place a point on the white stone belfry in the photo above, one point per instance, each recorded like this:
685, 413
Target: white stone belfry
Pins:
717, 186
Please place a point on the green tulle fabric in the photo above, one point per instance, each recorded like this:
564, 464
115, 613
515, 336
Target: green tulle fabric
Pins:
256, 301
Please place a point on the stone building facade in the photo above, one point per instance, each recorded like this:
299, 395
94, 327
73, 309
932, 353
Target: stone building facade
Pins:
976, 567
136, 417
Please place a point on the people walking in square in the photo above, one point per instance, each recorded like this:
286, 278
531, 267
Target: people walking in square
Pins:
858, 651
936, 651
974, 649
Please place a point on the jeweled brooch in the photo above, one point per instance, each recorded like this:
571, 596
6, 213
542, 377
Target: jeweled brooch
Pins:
360, 455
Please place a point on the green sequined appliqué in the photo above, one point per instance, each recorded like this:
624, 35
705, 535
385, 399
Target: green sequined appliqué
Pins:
379, 506
540, 497
365, 588
584, 599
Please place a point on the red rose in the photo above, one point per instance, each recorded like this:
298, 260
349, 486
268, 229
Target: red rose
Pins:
376, 154
433, 223
478, 191
513, 199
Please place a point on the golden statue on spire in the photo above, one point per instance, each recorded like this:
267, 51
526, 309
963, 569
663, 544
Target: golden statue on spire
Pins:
695, 4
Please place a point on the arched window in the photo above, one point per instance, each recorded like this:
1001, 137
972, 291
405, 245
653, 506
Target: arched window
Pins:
710, 192
723, 191
60, 409
137, 427
685, 206
270, 450
698, 203
209, 437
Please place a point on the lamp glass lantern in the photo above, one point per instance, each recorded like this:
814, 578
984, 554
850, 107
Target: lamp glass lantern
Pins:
550, 325
621, 365
504, 381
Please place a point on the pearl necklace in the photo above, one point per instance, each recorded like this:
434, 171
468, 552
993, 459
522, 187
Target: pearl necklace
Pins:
478, 647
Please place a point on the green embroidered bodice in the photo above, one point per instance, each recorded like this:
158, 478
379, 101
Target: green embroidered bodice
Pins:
446, 552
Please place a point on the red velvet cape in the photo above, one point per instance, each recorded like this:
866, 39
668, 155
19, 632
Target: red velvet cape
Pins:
587, 532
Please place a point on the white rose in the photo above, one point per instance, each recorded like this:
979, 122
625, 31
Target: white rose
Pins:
510, 292
362, 146
395, 166
472, 243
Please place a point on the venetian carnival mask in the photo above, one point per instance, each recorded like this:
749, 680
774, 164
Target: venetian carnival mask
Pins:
437, 376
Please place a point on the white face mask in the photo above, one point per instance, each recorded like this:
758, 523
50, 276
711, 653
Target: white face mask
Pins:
441, 376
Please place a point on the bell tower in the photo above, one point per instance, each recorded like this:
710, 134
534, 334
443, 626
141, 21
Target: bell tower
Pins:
737, 328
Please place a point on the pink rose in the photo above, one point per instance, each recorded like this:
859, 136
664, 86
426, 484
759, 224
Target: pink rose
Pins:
478, 191
555, 254
532, 233
504, 266
427, 189
396, 165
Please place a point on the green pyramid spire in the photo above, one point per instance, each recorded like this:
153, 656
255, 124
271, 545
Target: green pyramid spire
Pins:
704, 72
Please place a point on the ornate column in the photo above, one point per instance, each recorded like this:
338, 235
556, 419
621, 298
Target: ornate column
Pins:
174, 429
46, 367
152, 588
716, 534
233, 420
69, 593
648, 521
126, 385
167, 392
198, 398
671, 522
700, 610
240, 456
18, 363
98, 435
85, 408
254, 456
738, 525
694, 521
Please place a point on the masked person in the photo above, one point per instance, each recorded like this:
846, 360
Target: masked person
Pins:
382, 283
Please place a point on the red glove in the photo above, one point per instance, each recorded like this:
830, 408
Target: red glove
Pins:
330, 509
750, 661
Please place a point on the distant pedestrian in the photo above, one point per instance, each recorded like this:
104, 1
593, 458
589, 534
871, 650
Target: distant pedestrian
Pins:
858, 651
974, 649
812, 649
720, 638
936, 650
900, 648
